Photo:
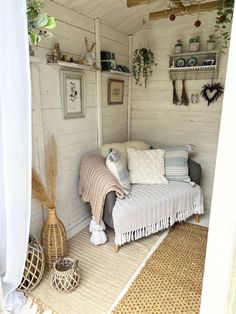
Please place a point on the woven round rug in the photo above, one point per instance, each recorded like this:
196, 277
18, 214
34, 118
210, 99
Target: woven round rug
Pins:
171, 280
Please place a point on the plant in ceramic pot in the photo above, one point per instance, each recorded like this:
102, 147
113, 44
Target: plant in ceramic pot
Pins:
211, 43
178, 46
194, 44
38, 22
143, 60
53, 234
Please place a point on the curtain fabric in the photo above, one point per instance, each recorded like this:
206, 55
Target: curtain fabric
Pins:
15, 149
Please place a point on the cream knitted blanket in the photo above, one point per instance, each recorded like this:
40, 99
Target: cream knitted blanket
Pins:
96, 181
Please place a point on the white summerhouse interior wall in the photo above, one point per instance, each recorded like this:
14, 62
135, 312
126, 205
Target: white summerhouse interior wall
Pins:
155, 119
75, 137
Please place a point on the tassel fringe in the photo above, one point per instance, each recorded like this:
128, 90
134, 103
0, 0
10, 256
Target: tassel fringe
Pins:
157, 226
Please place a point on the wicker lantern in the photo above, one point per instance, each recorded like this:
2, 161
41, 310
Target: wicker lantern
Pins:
34, 266
65, 275
53, 239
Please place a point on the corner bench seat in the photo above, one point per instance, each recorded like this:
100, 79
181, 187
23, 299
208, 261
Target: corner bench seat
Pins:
152, 208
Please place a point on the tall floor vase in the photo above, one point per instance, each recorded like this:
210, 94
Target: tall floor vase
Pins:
53, 239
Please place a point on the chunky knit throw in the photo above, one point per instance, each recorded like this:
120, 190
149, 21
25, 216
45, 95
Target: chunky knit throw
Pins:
96, 181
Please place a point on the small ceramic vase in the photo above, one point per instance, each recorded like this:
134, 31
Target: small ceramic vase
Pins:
90, 58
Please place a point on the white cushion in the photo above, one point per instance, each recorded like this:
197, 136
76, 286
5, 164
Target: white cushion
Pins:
146, 166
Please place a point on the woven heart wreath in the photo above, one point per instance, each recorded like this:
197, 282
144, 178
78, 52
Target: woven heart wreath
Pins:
211, 92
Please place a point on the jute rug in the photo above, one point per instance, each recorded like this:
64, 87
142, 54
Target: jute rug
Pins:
104, 274
171, 280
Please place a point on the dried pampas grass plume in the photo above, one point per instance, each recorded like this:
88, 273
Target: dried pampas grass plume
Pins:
51, 168
38, 190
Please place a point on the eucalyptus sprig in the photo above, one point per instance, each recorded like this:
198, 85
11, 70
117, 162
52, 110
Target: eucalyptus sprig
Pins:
38, 23
143, 60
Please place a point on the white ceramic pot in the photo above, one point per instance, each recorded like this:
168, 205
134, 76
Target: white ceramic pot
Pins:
194, 47
210, 46
178, 49
90, 58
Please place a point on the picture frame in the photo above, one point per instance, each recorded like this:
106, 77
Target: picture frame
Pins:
115, 92
73, 94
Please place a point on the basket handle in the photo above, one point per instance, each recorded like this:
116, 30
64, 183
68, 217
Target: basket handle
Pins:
76, 264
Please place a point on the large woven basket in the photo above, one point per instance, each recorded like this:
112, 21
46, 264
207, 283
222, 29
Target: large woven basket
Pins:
65, 275
53, 238
34, 266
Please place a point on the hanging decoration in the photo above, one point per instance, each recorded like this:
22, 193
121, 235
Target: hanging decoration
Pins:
184, 96
172, 17
198, 22
211, 92
175, 96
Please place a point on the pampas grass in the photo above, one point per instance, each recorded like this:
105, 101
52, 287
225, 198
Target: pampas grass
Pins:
48, 199
51, 168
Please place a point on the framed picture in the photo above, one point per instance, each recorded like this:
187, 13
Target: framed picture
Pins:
73, 94
115, 92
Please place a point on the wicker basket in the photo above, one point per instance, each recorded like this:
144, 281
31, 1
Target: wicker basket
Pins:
65, 275
53, 238
34, 266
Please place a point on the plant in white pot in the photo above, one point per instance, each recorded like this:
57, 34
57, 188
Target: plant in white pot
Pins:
211, 43
178, 46
194, 44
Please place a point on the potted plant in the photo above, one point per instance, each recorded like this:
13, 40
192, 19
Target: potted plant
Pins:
211, 42
178, 46
38, 23
143, 60
194, 44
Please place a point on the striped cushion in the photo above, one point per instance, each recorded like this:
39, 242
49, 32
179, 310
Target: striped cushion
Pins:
117, 165
176, 165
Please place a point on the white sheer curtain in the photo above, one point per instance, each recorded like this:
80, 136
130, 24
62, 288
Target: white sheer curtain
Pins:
15, 149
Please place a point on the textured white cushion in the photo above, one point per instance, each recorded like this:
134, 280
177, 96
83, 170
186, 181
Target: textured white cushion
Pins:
146, 166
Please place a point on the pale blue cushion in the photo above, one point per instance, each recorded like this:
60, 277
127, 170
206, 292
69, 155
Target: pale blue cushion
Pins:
117, 165
176, 165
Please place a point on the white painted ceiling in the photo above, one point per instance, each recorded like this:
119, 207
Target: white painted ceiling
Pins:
115, 13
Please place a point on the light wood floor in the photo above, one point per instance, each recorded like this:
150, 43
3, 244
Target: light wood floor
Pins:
103, 274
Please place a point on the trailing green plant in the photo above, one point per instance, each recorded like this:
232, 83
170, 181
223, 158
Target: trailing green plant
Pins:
194, 40
224, 16
178, 43
38, 22
143, 60
211, 39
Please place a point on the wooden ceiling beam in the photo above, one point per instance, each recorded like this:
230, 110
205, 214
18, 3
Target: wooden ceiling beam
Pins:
133, 3
195, 8
179, 5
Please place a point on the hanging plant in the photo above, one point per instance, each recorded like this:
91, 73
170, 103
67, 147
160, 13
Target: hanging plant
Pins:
224, 16
38, 23
143, 60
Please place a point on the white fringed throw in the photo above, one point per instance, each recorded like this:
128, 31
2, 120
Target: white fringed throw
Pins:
152, 208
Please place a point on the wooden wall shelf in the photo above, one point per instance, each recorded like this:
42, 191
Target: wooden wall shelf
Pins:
75, 66
198, 72
116, 72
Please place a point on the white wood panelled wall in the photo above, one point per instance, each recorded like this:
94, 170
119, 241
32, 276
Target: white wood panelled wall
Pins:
155, 119
75, 137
